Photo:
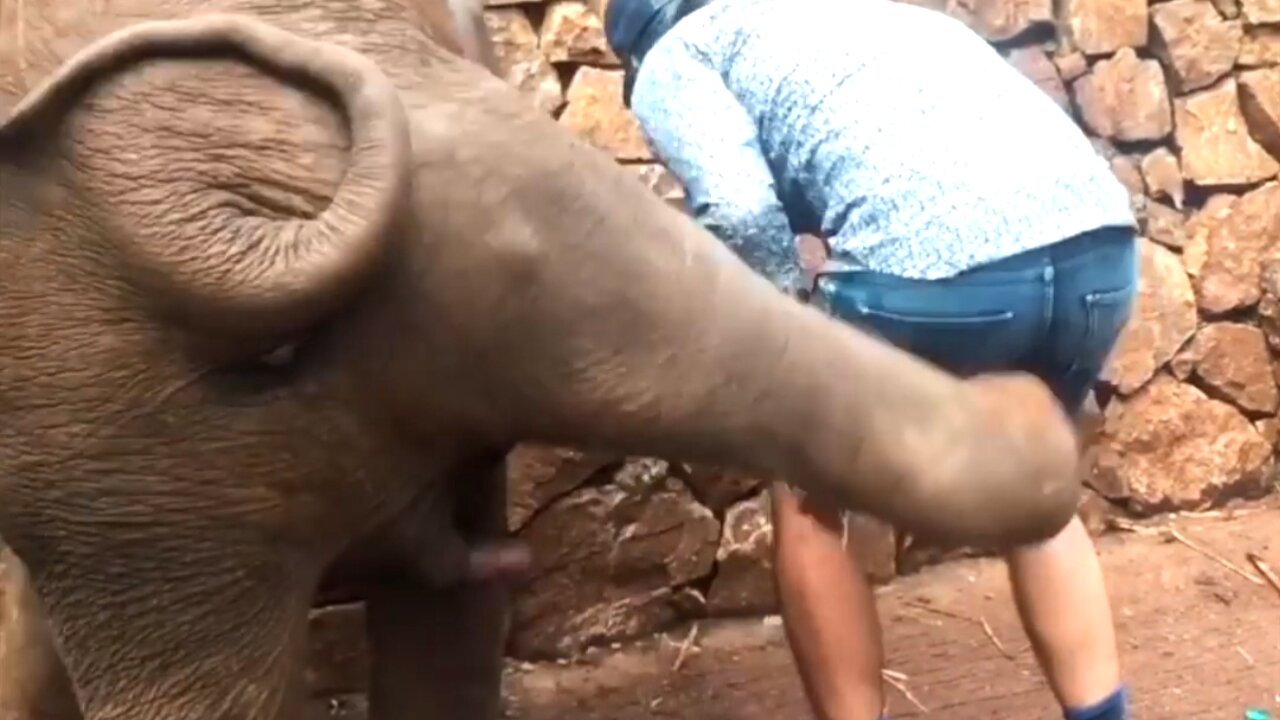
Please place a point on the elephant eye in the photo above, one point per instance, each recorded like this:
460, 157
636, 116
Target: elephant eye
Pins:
280, 357
264, 372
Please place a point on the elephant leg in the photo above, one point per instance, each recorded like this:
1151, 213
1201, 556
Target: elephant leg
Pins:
152, 629
438, 652
33, 682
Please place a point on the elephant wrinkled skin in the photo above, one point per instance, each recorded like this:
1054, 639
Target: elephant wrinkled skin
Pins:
278, 291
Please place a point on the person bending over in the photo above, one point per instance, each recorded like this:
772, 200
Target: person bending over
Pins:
968, 220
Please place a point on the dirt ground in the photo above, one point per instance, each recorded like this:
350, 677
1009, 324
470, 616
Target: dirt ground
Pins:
1198, 641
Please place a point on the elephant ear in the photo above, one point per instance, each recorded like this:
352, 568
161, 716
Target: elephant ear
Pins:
195, 225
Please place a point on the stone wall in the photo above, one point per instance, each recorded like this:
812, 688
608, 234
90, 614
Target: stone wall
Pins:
1183, 99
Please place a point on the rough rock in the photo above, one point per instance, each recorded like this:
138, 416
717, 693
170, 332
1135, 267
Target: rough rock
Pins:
520, 63
1071, 65
1197, 46
1260, 47
1000, 20
1261, 12
1196, 248
915, 554
1229, 9
1269, 303
1095, 512
1125, 98
1164, 318
1216, 146
1231, 359
1089, 419
606, 560
1165, 225
1098, 27
1162, 175
1171, 447
573, 32
595, 113
942, 6
538, 474
662, 182
1128, 173
1269, 429
1237, 241
744, 581
1260, 104
1182, 365
689, 602
337, 650
718, 488
1034, 63
639, 476
1103, 147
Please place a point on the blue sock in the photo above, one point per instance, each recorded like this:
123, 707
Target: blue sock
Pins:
1114, 707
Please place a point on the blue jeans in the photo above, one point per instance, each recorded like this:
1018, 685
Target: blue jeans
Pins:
1054, 311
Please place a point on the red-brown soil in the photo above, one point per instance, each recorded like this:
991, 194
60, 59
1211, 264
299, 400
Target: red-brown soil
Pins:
1198, 641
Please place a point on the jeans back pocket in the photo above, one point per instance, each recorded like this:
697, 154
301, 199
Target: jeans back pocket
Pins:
1106, 312
963, 330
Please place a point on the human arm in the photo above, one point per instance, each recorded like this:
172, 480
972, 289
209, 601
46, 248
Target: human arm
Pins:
700, 131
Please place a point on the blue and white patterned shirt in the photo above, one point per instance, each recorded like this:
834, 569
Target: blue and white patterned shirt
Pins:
893, 131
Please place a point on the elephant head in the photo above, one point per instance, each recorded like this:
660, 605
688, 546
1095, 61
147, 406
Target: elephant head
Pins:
471, 272
257, 304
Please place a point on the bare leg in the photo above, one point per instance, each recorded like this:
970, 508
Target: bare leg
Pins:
829, 611
1062, 599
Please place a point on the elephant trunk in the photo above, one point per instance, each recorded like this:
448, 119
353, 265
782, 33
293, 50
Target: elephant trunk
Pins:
638, 331
273, 276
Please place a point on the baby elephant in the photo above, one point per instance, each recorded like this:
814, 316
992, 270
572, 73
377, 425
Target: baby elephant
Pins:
279, 293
